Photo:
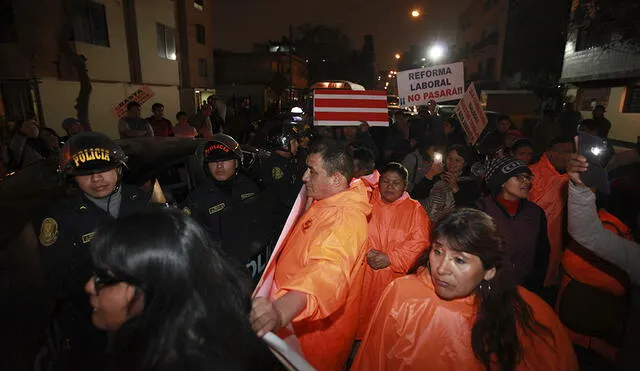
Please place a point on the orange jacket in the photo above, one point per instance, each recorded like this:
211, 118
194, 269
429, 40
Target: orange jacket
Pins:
323, 257
371, 181
400, 230
549, 191
583, 271
413, 329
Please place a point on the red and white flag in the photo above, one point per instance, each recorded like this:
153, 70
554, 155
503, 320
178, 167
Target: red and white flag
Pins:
350, 107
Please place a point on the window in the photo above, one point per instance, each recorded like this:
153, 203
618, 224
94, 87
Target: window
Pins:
200, 34
7, 22
198, 4
202, 67
166, 41
632, 100
91, 24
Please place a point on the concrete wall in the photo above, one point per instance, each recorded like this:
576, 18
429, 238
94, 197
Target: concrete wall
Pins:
155, 70
109, 63
624, 126
58, 99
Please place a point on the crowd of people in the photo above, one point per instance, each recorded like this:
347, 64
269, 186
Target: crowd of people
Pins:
413, 249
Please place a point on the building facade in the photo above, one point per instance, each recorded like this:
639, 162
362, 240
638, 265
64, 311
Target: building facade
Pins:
195, 42
598, 71
513, 44
127, 44
267, 78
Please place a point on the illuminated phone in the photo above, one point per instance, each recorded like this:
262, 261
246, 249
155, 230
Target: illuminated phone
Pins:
437, 158
597, 152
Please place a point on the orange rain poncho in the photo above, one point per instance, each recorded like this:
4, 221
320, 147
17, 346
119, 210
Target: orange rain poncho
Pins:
323, 257
400, 230
549, 191
413, 329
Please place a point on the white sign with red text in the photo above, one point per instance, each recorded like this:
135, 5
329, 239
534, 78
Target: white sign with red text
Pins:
438, 83
471, 115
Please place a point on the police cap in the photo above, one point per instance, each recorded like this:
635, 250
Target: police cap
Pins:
280, 135
89, 153
222, 147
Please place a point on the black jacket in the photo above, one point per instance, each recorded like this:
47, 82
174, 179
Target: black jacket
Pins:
238, 217
526, 239
65, 233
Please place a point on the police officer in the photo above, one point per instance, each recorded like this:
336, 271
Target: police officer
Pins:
278, 174
95, 164
230, 206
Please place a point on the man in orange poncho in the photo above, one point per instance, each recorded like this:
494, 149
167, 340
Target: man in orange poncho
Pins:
549, 191
318, 274
398, 233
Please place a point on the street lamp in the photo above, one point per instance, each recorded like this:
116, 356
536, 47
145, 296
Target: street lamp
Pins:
436, 52
415, 13
397, 56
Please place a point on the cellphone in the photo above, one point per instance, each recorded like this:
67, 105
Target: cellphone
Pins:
598, 154
437, 158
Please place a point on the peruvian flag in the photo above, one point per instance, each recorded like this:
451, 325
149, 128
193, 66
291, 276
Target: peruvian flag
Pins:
350, 107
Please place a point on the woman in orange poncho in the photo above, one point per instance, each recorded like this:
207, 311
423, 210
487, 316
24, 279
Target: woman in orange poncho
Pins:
462, 311
398, 234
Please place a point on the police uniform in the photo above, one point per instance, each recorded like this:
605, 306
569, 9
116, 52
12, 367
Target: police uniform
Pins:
234, 212
64, 235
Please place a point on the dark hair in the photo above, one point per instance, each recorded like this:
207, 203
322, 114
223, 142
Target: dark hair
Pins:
181, 113
336, 156
462, 151
132, 104
156, 105
522, 142
196, 304
560, 139
365, 159
505, 117
500, 310
588, 125
394, 167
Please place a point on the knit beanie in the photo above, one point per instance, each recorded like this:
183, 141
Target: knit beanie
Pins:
501, 169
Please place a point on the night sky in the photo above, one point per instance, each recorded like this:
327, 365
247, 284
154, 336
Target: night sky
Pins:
241, 23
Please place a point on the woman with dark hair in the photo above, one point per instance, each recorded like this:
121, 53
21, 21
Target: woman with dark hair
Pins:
453, 187
398, 234
461, 310
171, 299
453, 133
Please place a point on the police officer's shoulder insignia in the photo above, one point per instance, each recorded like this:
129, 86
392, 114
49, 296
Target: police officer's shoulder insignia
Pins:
186, 211
86, 238
48, 232
215, 209
244, 196
277, 173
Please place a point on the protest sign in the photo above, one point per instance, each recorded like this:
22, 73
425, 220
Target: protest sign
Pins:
471, 115
439, 83
140, 96
334, 107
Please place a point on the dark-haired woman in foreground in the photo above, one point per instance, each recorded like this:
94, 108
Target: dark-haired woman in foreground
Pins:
172, 301
462, 311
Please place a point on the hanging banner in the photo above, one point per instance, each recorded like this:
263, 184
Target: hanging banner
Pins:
439, 83
471, 115
140, 96
334, 107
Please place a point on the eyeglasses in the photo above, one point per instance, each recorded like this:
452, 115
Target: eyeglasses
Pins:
522, 178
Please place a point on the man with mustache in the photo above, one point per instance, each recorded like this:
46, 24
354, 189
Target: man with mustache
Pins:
522, 223
95, 163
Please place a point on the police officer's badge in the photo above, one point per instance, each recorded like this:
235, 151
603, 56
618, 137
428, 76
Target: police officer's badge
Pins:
186, 211
48, 232
277, 173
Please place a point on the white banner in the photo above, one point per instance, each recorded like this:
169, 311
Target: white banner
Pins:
439, 83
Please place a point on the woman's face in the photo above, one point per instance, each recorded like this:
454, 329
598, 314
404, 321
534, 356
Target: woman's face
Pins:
517, 187
112, 302
524, 154
454, 162
504, 125
392, 186
455, 274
